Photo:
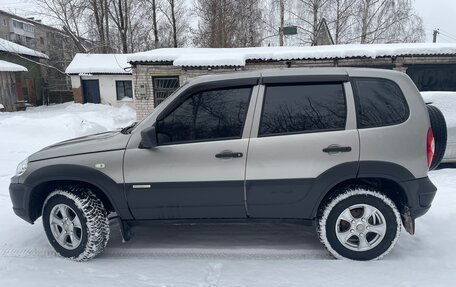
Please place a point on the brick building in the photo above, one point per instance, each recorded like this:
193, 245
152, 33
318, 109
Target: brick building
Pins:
157, 73
55, 43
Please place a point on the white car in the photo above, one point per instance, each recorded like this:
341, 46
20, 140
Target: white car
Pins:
446, 102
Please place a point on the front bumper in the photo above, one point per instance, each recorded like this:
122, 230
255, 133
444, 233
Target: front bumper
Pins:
420, 194
20, 195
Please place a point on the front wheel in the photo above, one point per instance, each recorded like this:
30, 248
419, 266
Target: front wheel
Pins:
76, 223
359, 224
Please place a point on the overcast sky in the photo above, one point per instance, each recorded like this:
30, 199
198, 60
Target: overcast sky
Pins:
439, 14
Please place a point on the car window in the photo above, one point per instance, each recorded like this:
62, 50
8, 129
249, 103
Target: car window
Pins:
380, 102
303, 108
208, 115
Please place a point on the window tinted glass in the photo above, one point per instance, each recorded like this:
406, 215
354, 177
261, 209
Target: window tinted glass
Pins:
380, 102
217, 114
303, 108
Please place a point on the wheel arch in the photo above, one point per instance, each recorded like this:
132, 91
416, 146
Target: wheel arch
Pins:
392, 189
385, 177
46, 179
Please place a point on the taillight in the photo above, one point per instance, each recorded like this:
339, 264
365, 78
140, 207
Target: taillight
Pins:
430, 146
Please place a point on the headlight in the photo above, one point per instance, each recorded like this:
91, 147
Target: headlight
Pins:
22, 167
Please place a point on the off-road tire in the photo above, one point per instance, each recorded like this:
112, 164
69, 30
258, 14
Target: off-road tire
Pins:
329, 213
93, 218
439, 129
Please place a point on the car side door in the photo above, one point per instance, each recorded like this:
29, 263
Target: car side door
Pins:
304, 136
197, 170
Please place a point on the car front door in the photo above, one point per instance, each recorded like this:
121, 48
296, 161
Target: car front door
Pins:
198, 168
304, 136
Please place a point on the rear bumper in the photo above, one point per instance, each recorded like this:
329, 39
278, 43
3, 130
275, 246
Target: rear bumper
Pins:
420, 194
20, 194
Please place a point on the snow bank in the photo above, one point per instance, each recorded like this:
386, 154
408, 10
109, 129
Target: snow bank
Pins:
238, 56
99, 64
11, 47
446, 102
11, 67
23, 133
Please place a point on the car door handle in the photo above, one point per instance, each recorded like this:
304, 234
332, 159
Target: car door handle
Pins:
229, 154
334, 149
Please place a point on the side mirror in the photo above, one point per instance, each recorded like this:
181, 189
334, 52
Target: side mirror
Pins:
148, 138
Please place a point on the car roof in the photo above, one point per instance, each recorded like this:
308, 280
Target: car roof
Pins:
283, 72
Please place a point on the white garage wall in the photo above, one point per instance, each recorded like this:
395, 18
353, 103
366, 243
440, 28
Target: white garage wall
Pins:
107, 84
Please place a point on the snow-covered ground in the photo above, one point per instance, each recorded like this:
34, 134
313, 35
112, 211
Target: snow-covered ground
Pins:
207, 254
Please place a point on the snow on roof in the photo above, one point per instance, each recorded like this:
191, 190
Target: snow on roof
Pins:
99, 64
8, 46
11, 67
238, 56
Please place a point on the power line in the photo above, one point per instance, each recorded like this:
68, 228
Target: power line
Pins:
448, 39
448, 36
448, 33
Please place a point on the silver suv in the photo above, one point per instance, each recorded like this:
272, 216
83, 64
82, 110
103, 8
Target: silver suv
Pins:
345, 149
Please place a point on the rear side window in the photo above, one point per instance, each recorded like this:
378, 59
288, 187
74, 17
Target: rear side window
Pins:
299, 108
380, 102
206, 116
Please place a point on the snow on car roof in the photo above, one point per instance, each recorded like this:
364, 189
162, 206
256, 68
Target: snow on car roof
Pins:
8, 46
99, 64
213, 57
11, 67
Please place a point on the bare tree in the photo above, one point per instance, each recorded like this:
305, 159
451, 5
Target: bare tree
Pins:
99, 9
172, 8
248, 22
309, 14
282, 21
120, 15
217, 23
341, 19
224, 23
385, 20
67, 14
173, 27
154, 9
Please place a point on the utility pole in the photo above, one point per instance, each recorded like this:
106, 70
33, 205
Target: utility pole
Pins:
282, 22
434, 36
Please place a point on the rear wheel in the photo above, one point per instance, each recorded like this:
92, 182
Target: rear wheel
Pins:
76, 223
359, 224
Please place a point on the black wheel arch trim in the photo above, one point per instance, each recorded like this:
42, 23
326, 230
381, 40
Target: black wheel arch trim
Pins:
325, 182
113, 191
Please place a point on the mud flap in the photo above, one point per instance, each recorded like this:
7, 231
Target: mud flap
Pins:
408, 221
125, 230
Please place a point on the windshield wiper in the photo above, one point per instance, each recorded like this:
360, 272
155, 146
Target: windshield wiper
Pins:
128, 129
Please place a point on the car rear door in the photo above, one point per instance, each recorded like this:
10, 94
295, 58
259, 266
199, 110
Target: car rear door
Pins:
303, 138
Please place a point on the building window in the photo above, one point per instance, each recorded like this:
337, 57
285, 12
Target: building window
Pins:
164, 87
124, 90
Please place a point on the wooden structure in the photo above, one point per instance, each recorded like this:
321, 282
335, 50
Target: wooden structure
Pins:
10, 83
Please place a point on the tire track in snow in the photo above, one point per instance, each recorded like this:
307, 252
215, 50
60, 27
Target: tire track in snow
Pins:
182, 253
